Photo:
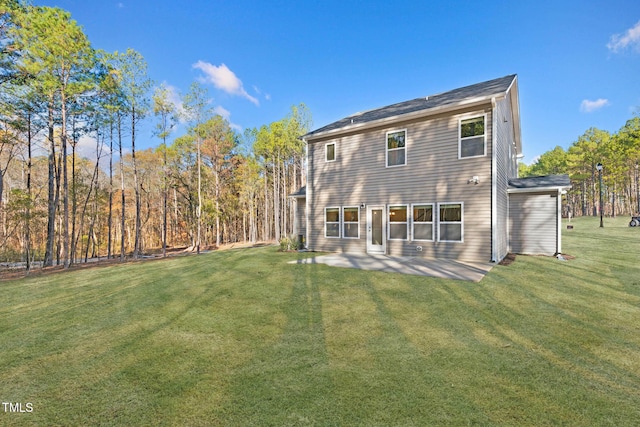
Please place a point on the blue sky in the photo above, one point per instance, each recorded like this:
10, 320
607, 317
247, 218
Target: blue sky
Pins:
578, 62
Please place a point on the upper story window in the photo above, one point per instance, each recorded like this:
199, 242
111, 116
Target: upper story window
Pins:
396, 148
330, 152
472, 137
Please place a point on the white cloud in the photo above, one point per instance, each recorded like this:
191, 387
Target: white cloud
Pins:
221, 111
259, 92
88, 148
175, 98
631, 38
226, 114
533, 161
224, 79
588, 106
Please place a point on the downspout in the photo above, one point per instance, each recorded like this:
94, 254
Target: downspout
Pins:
494, 182
307, 195
559, 223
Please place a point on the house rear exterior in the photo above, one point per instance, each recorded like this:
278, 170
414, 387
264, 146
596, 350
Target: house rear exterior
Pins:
429, 177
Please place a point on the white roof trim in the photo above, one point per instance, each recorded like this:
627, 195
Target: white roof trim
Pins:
538, 189
402, 117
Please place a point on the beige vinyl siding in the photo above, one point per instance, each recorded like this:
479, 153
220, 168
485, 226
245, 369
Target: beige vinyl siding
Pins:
532, 223
301, 217
433, 174
506, 168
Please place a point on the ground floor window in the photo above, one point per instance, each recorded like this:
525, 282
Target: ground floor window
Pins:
422, 222
414, 222
398, 222
351, 223
450, 222
332, 222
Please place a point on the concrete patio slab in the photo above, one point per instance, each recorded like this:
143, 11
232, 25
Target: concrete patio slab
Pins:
445, 269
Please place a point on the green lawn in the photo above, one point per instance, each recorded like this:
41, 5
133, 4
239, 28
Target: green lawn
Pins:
241, 338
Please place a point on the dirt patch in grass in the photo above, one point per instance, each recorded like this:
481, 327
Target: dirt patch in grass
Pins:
151, 255
508, 260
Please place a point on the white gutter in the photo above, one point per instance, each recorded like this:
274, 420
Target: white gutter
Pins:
408, 116
537, 189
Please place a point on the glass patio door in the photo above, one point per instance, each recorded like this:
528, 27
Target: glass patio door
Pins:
376, 232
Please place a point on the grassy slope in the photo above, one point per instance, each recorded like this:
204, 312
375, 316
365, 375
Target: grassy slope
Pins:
242, 338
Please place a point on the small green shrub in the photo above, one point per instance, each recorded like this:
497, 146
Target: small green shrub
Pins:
290, 243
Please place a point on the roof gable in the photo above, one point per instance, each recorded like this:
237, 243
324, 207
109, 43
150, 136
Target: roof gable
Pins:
426, 105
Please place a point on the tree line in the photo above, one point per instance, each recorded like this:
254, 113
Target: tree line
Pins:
207, 187
618, 155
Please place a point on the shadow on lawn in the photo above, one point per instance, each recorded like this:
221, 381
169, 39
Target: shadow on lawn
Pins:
294, 381
564, 324
289, 380
146, 361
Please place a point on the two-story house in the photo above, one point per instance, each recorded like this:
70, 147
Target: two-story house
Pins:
434, 177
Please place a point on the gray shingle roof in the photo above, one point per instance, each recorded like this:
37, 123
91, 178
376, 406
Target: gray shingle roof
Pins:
457, 96
540, 182
301, 192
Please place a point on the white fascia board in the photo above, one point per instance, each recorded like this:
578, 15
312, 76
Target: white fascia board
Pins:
538, 189
515, 108
403, 117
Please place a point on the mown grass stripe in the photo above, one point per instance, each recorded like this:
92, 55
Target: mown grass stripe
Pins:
241, 337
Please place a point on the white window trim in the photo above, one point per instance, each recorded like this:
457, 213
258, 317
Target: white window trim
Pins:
460, 138
339, 222
433, 222
326, 151
393, 205
452, 222
386, 148
349, 222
